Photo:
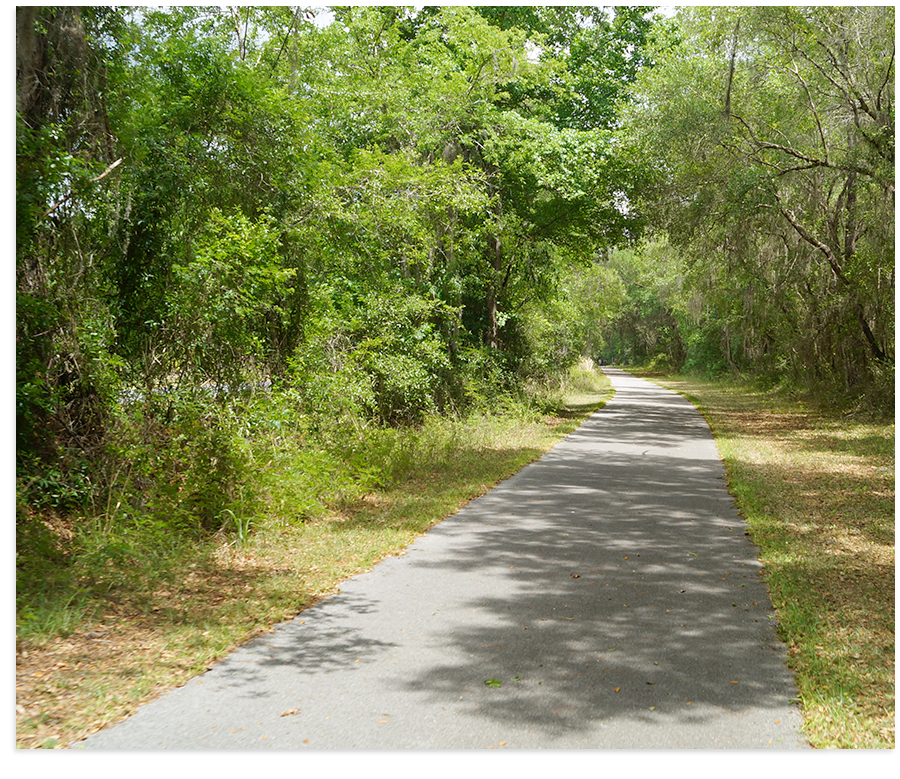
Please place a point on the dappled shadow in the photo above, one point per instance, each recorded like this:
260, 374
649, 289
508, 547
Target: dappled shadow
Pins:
328, 645
818, 468
609, 582
623, 594
605, 596
875, 445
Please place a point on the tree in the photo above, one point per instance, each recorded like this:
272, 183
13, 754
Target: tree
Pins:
67, 172
772, 131
593, 54
447, 180
209, 196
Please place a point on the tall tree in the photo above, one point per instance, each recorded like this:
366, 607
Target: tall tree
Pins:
772, 131
438, 93
67, 171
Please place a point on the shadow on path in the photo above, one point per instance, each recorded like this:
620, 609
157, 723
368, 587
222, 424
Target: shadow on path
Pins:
608, 592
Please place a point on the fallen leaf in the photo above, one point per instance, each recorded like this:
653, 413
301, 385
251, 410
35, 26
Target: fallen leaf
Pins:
289, 712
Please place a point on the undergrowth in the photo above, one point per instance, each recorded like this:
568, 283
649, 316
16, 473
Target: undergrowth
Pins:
116, 604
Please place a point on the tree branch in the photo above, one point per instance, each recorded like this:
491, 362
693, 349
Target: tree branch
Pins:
286, 37
833, 261
812, 162
812, 107
94, 180
737, 27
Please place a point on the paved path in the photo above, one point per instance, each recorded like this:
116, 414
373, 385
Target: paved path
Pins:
608, 588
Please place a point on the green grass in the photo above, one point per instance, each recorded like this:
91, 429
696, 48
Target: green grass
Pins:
817, 490
122, 617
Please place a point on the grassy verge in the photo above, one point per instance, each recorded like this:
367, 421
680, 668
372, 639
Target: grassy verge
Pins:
105, 640
817, 490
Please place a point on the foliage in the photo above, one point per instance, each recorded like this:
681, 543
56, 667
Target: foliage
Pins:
224, 299
264, 259
257, 255
164, 607
771, 134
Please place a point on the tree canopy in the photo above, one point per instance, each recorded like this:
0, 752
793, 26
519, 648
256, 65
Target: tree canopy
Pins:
391, 212
771, 132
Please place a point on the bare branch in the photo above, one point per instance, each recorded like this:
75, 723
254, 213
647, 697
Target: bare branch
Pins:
286, 37
887, 80
812, 162
734, 41
833, 260
812, 107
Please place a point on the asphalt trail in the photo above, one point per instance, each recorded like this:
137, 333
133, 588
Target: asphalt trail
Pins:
608, 593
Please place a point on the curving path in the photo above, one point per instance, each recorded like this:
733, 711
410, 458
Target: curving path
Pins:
608, 589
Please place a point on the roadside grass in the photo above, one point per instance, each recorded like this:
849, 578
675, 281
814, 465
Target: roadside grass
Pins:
94, 644
817, 490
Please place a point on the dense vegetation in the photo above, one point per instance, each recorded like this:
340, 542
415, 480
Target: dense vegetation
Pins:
770, 133
282, 272
253, 243
237, 226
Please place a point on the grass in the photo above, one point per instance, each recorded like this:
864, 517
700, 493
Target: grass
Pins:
102, 641
817, 489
